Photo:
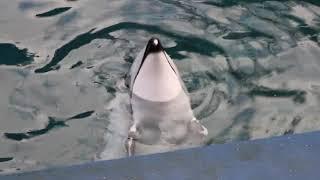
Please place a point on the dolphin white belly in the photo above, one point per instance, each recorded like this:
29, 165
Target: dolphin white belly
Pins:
156, 80
161, 112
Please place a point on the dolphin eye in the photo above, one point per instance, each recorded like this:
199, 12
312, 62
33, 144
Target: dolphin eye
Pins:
155, 42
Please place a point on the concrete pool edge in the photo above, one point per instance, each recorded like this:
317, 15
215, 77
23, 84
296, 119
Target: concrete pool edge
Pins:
284, 157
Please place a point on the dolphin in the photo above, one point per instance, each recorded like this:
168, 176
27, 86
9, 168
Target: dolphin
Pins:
162, 118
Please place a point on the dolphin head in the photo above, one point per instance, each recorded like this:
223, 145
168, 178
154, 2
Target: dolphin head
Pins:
156, 77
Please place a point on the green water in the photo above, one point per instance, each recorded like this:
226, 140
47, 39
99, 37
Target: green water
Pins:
251, 67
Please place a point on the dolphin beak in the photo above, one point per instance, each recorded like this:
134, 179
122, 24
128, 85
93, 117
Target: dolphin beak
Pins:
153, 46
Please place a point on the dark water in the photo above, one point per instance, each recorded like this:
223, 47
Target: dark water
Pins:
252, 69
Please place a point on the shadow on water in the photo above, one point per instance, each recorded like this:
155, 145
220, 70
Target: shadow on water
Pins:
53, 12
294, 123
82, 115
52, 124
79, 63
280, 20
304, 28
5, 159
298, 96
31, 134
241, 120
228, 3
12, 55
202, 46
241, 35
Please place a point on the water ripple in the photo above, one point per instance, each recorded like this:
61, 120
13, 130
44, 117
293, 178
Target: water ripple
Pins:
53, 12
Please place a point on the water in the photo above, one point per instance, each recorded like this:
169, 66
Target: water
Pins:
252, 69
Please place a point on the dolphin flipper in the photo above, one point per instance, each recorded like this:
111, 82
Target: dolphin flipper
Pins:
130, 146
198, 127
130, 142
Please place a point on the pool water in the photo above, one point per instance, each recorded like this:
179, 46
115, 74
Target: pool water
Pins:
251, 67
